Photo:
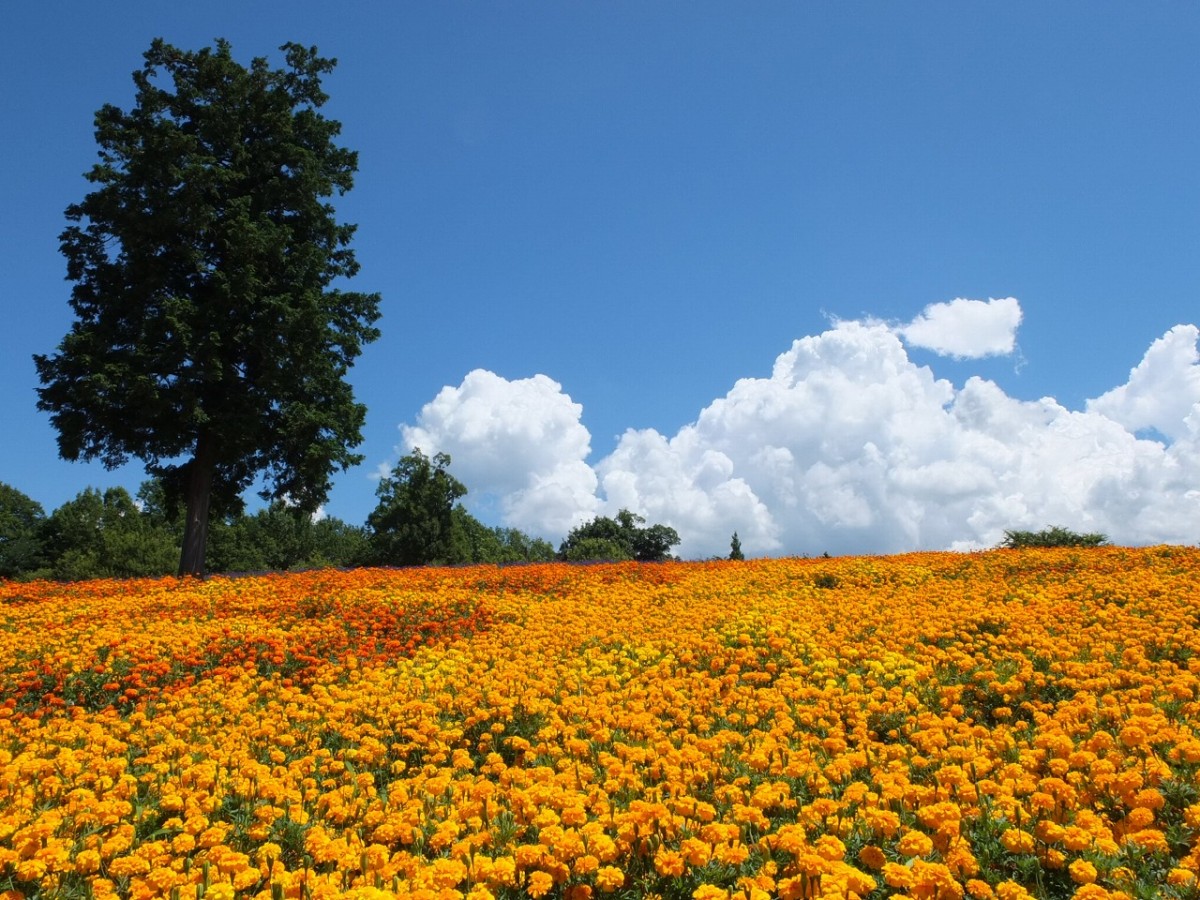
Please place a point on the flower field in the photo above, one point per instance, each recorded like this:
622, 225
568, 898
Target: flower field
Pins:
1007, 724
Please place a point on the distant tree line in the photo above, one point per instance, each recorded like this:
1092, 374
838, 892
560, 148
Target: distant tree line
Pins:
1053, 536
418, 521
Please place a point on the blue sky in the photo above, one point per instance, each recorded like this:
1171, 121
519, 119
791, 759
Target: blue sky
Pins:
645, 202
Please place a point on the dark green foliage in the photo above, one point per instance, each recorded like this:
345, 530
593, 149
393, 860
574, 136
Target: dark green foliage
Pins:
1051, 537
594, 549
413, 524
333, 542
619, 538
21, 522
475, 542
419, 521
735, 548
281, 537
206, 325
105, 535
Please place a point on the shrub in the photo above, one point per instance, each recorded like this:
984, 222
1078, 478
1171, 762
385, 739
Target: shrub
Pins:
1054, 536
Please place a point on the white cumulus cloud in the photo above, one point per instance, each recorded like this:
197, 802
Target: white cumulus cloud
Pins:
848, 446
521, 441
966, 329
1163, 391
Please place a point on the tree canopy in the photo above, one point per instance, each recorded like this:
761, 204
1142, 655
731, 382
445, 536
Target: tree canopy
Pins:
209, 341
105, 535
617, 539
735, 548
21, 521
1053, 536
413, 524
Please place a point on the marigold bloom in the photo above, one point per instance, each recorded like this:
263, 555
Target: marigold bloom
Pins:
915, 843
538, 884
1082, 871
668, 863
609, 878
872, 857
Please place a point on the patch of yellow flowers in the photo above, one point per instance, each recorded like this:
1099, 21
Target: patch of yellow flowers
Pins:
1009, 724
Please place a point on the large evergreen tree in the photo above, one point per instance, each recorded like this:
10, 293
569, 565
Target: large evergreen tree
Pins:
208, 341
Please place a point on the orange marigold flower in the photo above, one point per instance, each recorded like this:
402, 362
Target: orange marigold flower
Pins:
668, 863
872, 857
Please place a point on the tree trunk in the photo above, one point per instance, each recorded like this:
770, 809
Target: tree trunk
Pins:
198, 494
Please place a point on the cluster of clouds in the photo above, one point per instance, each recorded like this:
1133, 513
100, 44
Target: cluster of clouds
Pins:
850, 447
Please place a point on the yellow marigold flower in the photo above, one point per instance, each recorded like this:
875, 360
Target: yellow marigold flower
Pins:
1017, 840
829, 847
1121, 875
1179, 877
87, 862
246, 878
609, 878
1149, 839
897, 876
1133, 736
980, 890
163, 879
731, 854
222, 890
603, 847
1010, 890
503, 871
915, 843
586, 864
710, 892
193, 825
1091, 892
1082, 872
30, 869
574, 815
696, 851
960, 860
1139, 817
538, 884
882, 821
